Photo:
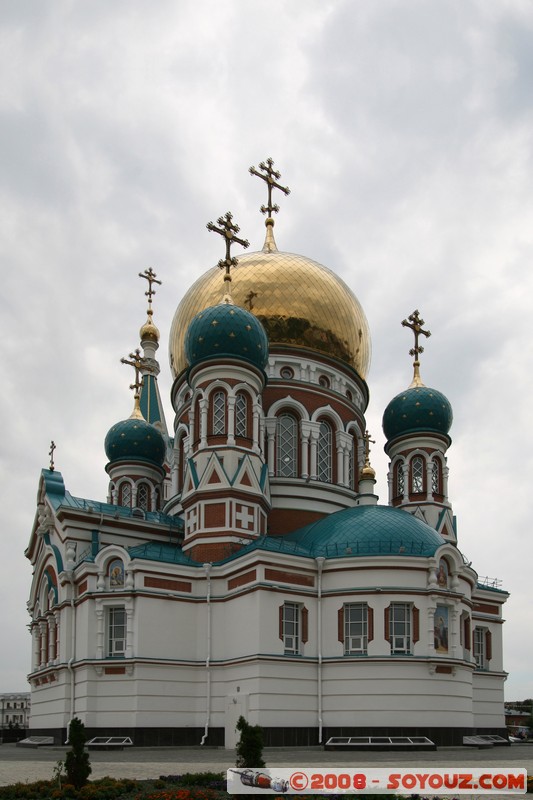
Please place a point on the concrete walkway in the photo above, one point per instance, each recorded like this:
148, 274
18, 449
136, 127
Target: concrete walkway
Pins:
18, 764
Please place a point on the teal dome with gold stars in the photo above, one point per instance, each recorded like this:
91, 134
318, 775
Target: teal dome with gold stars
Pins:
418, 409
226, 330
135, 439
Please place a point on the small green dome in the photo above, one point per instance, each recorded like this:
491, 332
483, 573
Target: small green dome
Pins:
417, 410
226, 330
368, 531
135, 439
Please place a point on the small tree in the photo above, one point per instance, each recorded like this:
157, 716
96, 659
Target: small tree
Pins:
77, 763
249, 746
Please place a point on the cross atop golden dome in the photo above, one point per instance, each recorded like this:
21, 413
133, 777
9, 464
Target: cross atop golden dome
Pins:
149, 330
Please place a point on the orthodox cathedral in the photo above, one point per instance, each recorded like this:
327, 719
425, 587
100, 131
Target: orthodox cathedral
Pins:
241, 564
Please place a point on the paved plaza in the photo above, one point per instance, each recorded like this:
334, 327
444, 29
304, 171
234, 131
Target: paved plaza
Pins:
28, 764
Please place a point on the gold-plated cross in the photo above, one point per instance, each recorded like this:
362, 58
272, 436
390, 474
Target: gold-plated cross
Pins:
270, 177
229, 230
51, 454
151, 277
415, 323
136, 363
368, 441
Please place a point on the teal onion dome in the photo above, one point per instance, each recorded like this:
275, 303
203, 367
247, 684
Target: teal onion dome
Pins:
368, 531
418, 409
226, 330
135, 439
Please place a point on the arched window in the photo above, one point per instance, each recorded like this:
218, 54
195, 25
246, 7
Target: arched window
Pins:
435, 476
399, 482
417, 475
181, 462
143, 496
352, 460
124, 495
287, 446
219, 414
324, 453
241, 415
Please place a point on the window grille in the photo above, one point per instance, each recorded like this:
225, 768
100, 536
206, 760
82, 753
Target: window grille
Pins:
417, 475
355, 628
125, 495
324, 456
116, 632
291, 628
287, 441
435, 477
143, 496
219, 414
241, 415
400, 627
400, 481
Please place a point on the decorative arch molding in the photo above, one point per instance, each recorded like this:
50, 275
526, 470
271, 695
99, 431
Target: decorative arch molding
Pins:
45, 580
216, 385
330, 415
288, 404
110, 552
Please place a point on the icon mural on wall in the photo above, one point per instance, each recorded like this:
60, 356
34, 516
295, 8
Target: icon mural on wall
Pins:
116, 573
442, 574
441, 629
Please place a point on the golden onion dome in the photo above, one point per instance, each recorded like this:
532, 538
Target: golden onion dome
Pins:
299, 302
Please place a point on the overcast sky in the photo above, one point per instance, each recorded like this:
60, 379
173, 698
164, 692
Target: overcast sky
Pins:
404, 129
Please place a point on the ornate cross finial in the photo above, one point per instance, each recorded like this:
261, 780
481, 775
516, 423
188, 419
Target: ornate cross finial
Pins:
415, 323
270, 177
51, 454
136, 363
368, 441
151, 277
229, 230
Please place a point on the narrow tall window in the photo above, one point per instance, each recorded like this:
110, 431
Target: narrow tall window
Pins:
116, 632
479, 647
287, 441
352, 455
143, 496
399, 480
290, 628
417, 475
435, 476
219, 414
355, 628
324, 455
400, 627
125, 495
241, 415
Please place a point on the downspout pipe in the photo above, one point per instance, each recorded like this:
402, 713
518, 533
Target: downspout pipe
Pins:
207, 569
320, 566
72, 658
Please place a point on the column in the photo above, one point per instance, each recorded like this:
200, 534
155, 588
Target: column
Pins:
314, 428
203, 422
429, 479
270, 425
100, 625
231, 420
305, 433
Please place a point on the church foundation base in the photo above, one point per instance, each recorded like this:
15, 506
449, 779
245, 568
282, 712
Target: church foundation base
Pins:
272, 737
